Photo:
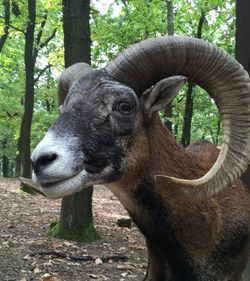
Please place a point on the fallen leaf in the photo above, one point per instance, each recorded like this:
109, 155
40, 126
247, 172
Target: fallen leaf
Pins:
124, 267
37, 270
27, 257
98, 261
48, 263
49, 277
93, 276
67, 243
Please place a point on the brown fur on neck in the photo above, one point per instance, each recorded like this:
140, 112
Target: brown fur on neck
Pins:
195, 223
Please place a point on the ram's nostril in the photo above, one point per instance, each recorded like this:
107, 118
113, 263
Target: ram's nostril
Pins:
46, 159
43, 160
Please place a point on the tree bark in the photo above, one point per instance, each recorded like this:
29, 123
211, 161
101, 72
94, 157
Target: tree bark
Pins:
242, 54
170, 17
5, 166
243, 33
5, 160
170, 30
188, 113
29, 60
76, 31
4, 37
76, 218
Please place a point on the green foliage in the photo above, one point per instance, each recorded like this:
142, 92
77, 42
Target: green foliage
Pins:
12, 74
205, 121
86, 234
113, 29
141, 19
137, 20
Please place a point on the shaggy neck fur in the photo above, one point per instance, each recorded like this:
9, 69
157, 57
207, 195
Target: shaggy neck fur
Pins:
170, 223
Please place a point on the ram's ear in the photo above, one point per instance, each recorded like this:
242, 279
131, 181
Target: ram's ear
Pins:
161, 94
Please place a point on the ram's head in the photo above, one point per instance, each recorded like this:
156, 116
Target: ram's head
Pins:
104, 115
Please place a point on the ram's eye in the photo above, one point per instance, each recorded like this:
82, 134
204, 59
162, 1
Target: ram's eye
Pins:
125, 108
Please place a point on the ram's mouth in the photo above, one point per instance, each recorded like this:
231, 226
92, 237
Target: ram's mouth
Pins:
60, 188
58, 182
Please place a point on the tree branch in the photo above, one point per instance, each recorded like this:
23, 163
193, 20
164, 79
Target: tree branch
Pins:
40, 33
42, 45
45, 43
14, 27
121, 258
200, 24
41, 72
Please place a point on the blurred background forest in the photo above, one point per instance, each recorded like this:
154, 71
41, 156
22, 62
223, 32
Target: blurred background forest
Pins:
32, 58
39, 38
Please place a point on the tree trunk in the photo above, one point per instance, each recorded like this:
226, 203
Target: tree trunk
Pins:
243, 33
76, 31
76, 218
18, 161
5, 161
4, 37
243, 54
170, 17
25, 131
5, 166
170, 30
188, 113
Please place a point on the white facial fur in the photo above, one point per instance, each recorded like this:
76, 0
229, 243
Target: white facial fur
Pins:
66, 187
67, 181
62, 166
61, 170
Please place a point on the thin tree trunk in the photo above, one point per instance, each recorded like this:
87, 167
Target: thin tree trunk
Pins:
4, 37
25, 131
170, 30
243, 55
5, 166
5, 161
18, 161
243, 33
76, 218
170, 17
188, 113
32, 46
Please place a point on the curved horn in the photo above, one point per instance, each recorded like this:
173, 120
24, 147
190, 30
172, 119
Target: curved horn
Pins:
69, 75
220, 75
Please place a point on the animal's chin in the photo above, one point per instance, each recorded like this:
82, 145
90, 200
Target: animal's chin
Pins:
72, 184
51, 184
64, 187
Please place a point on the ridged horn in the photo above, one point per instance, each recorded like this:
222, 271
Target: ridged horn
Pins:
220, 75
69, 75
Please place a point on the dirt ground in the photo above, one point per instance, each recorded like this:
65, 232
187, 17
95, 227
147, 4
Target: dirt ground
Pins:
25, 247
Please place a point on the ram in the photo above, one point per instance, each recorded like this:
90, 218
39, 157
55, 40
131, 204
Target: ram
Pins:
196, 222
206, 154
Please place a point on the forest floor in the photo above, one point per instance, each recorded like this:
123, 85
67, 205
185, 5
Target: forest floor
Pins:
27, 253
